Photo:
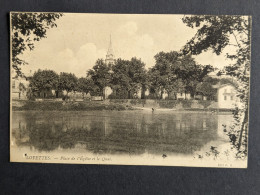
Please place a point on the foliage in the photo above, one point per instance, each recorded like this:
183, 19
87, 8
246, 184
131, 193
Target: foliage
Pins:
206, 87
44, 80
100, 75
227, 81
174, 73
216, 33
26, 29
86, 85
128, 77
68, 82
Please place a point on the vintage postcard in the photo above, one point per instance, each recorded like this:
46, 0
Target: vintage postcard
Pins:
129, 89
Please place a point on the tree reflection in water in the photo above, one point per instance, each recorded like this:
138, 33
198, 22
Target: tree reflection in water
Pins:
115, 132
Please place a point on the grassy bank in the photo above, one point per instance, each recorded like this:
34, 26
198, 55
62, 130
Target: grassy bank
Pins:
187, 105
70, 106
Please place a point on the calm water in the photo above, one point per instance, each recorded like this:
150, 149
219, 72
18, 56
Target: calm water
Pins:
117, 132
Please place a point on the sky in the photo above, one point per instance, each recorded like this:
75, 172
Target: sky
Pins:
80, 39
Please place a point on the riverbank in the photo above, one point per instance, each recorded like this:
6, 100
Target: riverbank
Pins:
68, 106
119, 105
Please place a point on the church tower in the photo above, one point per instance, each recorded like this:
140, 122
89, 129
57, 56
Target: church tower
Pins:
110, 56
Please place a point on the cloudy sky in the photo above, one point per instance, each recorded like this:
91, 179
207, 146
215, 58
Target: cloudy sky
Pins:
80, 39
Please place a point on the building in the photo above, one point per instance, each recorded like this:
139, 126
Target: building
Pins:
110, 60
20, 86
227, 97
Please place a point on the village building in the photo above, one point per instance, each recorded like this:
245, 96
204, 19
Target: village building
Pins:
20, 85
185, 96
110, 61
110, 58
178, 96
227, 97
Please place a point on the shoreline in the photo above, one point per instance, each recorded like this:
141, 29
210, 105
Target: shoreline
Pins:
107, 106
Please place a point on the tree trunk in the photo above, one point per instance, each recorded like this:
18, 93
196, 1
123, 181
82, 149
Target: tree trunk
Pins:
128, 94
244, 123
57, 94
143, 92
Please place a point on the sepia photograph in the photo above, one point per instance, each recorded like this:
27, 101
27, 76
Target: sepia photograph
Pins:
130, 89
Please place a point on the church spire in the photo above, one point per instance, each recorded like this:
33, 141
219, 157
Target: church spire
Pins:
110, 55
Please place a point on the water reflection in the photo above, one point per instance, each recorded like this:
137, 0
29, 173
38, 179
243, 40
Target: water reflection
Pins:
113, 132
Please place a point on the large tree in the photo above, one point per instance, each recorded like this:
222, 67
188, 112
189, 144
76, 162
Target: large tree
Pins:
67, 82
129, 76
206, 87
26, 28
44, 81
192, 73
176, 73
86, 85
166, 63
215, 33
100, 75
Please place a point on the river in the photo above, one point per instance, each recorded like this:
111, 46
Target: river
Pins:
118, 132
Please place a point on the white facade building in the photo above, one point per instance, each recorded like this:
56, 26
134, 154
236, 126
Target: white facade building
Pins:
107, 91
227, 97
19, 86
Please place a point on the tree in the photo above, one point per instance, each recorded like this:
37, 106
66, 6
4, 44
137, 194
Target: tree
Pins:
137, 75
120, 80
166, 64
26, 28
154, 79
86, 85
206, 87
68, 82
44, 81
174, 73
192, 73
216, 33
129, 76
100, 75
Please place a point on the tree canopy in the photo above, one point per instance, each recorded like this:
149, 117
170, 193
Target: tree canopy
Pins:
216, 33
26, 28
128, 77
100, 74
44, 80
176, 73
68, 82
